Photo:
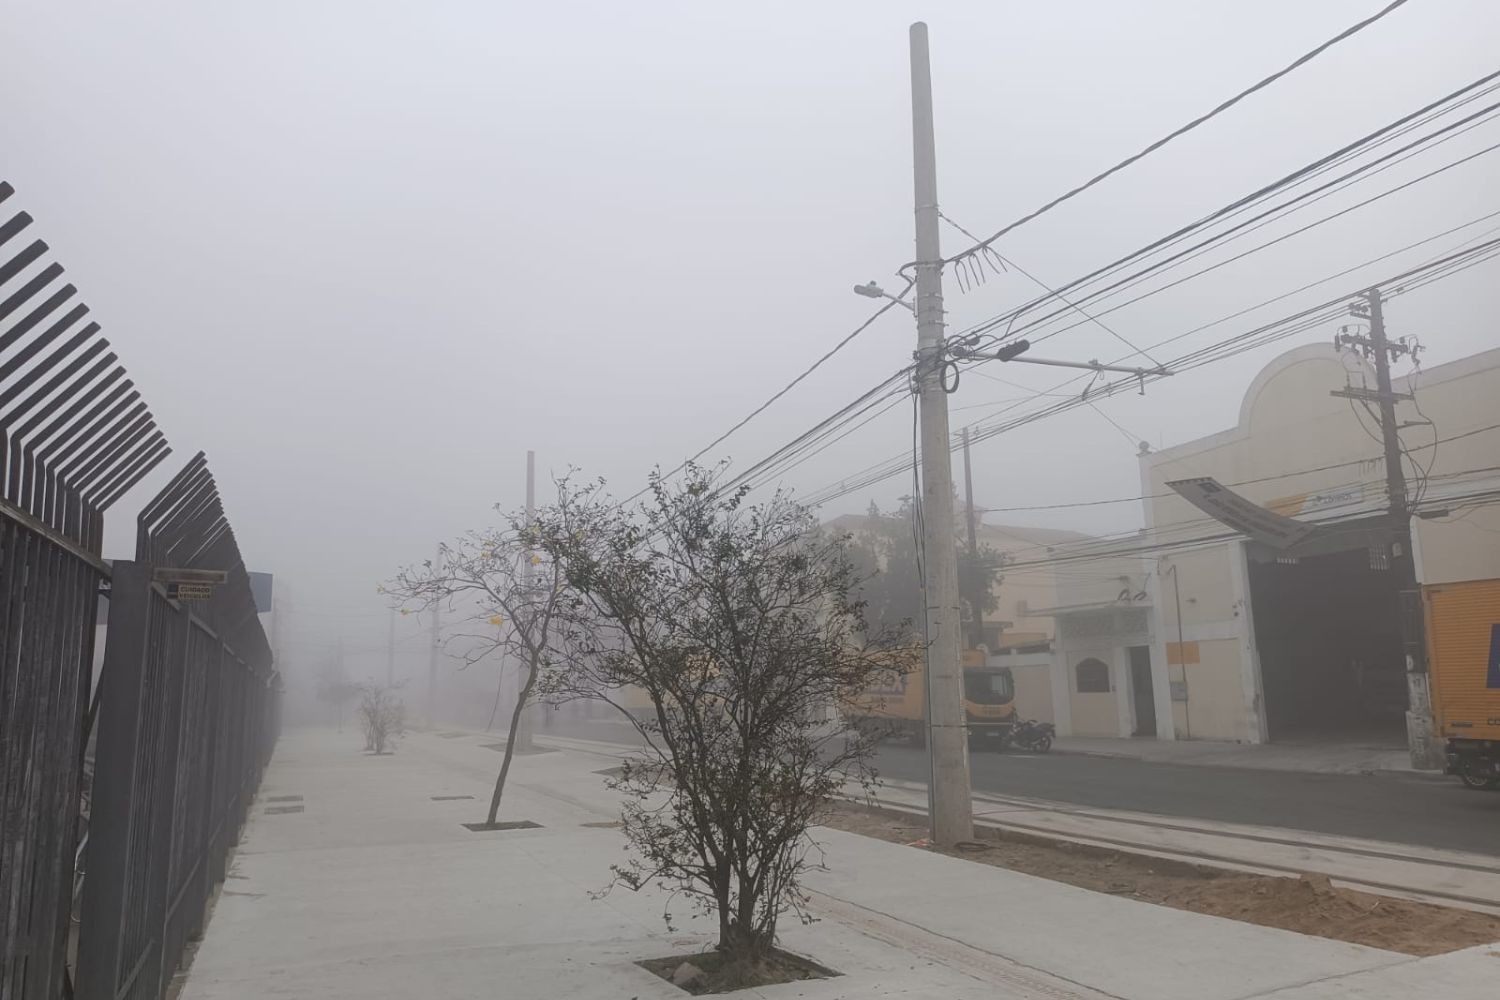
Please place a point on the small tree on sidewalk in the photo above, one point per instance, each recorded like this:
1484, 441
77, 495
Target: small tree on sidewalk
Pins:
382, 716
513, 594
738, 624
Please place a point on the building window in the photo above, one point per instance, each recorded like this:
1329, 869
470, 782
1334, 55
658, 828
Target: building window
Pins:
1092, 676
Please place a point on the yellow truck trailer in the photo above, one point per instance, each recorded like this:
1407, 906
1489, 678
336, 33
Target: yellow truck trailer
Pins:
898, 705
1463, 647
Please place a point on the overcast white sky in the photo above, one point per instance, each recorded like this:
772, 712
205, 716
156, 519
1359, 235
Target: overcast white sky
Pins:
366, 254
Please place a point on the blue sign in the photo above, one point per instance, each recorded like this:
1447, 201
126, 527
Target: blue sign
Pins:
260, 587
1492, 675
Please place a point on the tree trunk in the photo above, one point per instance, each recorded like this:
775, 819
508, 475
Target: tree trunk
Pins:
741, 945
510, 738
738, 940
499, 690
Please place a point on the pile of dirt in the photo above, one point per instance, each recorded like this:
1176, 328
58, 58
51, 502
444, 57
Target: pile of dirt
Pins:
708, 972
1308, 905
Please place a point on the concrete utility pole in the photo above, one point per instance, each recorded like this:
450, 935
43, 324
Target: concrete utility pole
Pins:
976, 599
433, 649
390, 652
521, 738
951, 814
1426, 751
338, 671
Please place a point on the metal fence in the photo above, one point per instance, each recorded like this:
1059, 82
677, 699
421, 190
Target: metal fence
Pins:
185, 703
187, 720
74, 437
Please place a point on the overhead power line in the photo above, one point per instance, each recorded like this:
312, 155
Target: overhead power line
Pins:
850, 418
1182, 130
1435, 172
1232, 346
780, 392
1448, 255
1390, 132
892, 385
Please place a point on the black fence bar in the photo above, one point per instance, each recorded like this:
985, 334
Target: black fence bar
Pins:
189, 713
53, 367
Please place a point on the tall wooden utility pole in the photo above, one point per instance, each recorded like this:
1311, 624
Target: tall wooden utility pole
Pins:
1425, 748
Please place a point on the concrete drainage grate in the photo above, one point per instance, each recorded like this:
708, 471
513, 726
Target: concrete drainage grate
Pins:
609, 824
284, 798
515, 824
450, 798
451, 736
274, 810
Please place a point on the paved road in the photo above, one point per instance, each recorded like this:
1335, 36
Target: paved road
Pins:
1408, 810
1400, 809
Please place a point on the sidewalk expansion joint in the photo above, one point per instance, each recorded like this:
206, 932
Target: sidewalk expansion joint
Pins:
973, 961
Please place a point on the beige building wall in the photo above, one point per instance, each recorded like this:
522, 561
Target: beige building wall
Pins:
1303, 452
1033, 685
1021, 594
1459, 399
1094, 714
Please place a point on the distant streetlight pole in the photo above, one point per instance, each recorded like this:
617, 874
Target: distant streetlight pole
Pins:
976, 580
390, 652
522, 737
433, 649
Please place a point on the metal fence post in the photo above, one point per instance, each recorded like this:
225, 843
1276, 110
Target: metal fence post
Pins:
101, 931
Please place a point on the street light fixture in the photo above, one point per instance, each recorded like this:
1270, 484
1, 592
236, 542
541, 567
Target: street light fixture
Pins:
874, 291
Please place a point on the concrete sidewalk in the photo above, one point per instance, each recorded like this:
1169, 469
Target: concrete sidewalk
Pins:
1352, 757
1409, 871
375, 891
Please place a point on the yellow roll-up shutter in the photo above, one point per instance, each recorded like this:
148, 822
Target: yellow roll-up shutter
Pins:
1463, 644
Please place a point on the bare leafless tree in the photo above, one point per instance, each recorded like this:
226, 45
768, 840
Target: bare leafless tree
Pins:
511, 594
739, 625
382, 716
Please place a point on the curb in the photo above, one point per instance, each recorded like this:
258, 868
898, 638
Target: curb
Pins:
1391, 772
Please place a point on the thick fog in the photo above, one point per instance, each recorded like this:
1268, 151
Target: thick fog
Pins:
365, 255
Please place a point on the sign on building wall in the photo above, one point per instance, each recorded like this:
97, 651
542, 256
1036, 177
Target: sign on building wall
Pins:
1311, 503
1180, 654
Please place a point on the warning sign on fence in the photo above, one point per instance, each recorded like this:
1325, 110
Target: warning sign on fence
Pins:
190, 591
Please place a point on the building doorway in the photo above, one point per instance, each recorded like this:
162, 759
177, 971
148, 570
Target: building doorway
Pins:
1143, 697
1328, 635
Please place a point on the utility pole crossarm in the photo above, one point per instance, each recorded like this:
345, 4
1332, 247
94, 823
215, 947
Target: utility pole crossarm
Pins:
1094, 366
1016, 350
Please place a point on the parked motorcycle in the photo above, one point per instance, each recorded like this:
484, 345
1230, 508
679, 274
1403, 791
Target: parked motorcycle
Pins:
1029, 734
